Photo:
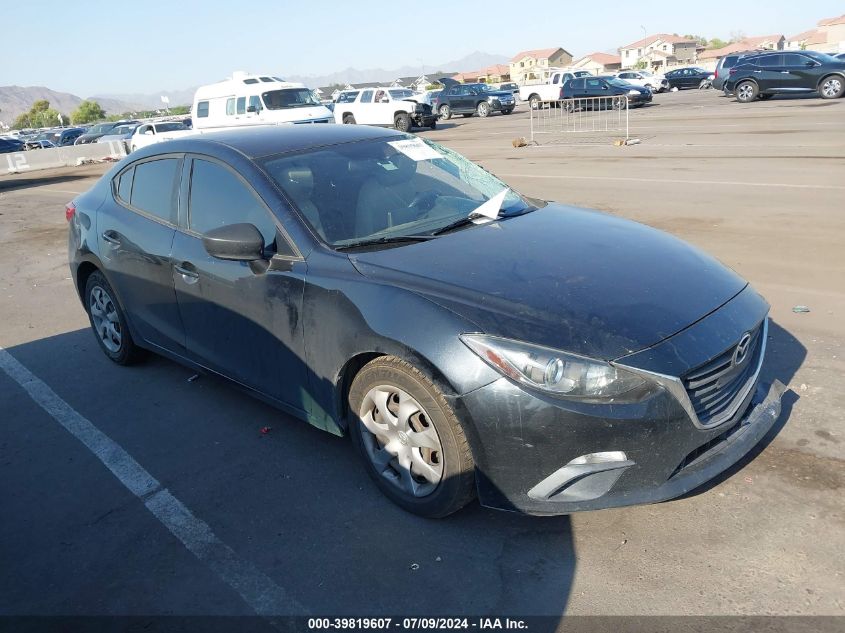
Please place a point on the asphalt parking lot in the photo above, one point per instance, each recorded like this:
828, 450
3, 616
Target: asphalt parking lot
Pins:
759, 186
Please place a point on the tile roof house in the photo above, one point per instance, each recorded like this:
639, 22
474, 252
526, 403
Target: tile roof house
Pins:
531, 65
834, 31
806, 40
660, 50
599, 63
497, 73
762, 42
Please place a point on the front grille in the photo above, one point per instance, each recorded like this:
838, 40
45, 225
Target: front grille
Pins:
715, 386
694, 455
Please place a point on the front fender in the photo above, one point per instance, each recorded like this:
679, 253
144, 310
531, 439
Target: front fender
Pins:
346, 315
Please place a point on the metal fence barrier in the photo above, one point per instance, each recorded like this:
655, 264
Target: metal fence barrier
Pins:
588, 119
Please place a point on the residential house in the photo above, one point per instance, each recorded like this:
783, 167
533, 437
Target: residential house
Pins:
660, 51
599, 63
532, 66
834, 31
808, 40
497, 73
761, 42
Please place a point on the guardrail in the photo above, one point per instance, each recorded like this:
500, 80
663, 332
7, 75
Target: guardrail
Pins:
588, 119
72, 155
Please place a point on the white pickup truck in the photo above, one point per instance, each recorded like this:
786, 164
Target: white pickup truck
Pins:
549, 91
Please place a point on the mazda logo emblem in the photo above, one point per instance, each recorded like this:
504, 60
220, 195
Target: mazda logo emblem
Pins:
741, 351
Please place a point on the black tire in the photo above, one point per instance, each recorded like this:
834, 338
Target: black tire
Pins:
445, 112
348, 119
507, 111
832, 87
127, 353
402, 122
534, 102
746, 91
456, 488
433, 125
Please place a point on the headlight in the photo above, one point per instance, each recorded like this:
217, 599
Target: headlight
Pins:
633, 92
551, 370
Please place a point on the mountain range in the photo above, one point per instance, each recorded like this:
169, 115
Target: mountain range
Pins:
15, 100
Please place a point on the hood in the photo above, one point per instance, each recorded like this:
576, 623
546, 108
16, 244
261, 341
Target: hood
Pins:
500, 93
571, 279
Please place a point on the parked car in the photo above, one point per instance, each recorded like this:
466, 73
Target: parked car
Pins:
40, 144
840, 56
429, 97
687, 77
605, 86
98, 130
644, 79
766, 75
390, 107
549, 358
9, 145
725, 63
149, 133
509, 86
120, 134
551, 90
469, 99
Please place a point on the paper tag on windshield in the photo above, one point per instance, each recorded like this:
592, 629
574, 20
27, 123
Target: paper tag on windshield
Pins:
490, 209
415, 149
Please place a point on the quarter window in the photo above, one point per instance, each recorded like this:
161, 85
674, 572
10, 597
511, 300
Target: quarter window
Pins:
153, 187
202, 109
219, 198
124, 184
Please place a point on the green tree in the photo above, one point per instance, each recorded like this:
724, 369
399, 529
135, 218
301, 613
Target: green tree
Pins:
40, 115
88, 112
716, 43
641, 65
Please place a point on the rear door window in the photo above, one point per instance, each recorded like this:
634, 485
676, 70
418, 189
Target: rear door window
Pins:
367, 96
769, 61
153, 188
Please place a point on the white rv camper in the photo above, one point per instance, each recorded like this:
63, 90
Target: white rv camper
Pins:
256, 100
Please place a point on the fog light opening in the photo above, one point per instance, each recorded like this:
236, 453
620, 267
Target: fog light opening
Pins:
605, 457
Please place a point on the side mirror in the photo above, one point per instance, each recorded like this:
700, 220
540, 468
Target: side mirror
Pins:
237, 242
251, 108
810, 63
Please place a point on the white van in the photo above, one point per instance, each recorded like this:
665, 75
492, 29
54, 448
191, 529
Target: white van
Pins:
256, 100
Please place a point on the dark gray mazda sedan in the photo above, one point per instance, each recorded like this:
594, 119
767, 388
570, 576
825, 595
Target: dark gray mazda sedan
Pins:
472, 341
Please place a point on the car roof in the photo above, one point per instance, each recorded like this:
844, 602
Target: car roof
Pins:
267, 140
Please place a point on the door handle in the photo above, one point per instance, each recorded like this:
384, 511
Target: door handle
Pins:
111, 238
188, 272
784, 72
758, 71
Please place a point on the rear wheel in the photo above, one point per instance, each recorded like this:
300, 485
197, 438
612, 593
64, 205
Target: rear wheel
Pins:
832, 87
445, 112
402, 122
483, 109
412, 443
108, 321
746, 91
534, 102
348, 119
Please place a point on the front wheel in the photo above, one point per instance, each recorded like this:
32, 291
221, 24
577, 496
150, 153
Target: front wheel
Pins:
412, 443
534, 102
746, 92
832, 87
507, 111
108, 321
402, 122
433, 125
445, 112
483, 109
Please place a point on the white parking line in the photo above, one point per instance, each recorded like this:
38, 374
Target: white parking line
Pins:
674, 180
257, 589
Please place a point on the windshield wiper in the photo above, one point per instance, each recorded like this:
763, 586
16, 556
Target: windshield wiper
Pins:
488, 209
393, 239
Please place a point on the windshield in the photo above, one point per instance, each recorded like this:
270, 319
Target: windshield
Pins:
620, 83
289, 98
100, 128
401, 94
385, 188
169, 127
822, 57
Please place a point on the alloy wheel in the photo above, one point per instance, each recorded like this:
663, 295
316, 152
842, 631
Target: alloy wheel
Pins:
831, 87
106, 321
745, 92
400, 440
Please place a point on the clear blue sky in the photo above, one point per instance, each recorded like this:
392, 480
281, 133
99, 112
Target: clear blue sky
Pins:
122, 47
